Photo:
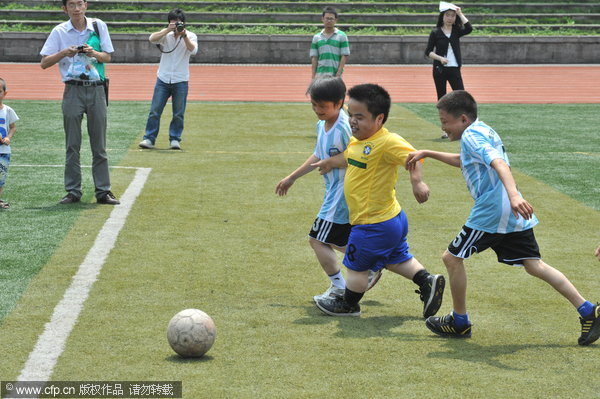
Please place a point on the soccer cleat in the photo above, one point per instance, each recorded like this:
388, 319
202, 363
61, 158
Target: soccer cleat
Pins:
373, 278
590, 327
331, 292
337, 306
444, 326
146, 144
431, 294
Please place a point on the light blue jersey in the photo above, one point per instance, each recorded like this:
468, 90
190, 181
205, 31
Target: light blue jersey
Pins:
330, 143
492, 213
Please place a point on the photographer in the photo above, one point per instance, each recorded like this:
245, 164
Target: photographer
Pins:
81, 65
177, 45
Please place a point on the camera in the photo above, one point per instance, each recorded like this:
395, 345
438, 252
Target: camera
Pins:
80, 49
179, 26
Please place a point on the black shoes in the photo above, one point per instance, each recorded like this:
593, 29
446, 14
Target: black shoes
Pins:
431, 294
337, 306
590, 327
444, 326
69, 199
108, 198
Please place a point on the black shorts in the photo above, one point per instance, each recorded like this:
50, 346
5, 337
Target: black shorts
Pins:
510, 248
330, 233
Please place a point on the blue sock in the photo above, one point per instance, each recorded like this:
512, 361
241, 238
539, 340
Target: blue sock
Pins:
586, 309
460, 320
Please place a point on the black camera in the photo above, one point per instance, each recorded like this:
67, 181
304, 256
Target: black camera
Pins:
180, 26
80, 48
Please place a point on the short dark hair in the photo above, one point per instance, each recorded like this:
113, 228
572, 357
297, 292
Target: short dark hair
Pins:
3, 84
176, 14
375, 97
440, 22
328, 88
457, 103
65, 2
329, 10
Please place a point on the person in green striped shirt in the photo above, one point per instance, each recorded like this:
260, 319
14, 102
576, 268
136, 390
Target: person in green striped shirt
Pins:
329, 49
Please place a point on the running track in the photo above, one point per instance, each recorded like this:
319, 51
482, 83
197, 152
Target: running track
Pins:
209, 82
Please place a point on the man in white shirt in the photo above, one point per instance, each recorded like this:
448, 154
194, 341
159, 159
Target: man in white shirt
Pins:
84, 93
177, 46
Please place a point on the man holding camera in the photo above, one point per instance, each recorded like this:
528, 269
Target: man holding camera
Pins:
177, 45
81, 71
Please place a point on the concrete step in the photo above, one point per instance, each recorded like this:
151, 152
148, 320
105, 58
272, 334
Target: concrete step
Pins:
239, 17
591, 28
592, 6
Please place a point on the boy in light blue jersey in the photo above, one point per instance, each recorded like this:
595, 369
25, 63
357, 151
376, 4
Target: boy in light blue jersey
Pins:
501, 218
331, 228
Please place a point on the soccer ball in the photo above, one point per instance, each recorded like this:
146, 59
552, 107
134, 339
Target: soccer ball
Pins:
191, 333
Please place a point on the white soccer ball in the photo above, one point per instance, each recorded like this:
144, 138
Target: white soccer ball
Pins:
191, 333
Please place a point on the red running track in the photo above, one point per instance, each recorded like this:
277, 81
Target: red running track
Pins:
288, 83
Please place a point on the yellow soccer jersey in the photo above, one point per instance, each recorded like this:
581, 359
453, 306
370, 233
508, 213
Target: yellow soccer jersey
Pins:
372, 174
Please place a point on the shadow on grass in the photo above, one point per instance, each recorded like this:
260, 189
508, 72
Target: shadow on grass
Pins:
363, 326
79, 206
467, 350
184, 360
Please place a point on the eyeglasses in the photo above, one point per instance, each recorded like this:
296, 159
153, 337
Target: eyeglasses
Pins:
79, 4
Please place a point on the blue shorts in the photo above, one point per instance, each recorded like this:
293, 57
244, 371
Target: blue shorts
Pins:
373, 246
4, 162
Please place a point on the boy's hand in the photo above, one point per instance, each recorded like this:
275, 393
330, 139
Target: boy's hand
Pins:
323, 165
421, 192
283, 186
521, 207
413, 158
5, 141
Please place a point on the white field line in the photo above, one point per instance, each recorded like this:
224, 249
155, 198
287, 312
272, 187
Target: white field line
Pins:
51, 342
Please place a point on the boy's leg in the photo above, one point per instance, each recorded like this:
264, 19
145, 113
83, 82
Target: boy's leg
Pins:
558, 281
329, 263
326, 256
589, 313
431, 287
458, 281
455, 324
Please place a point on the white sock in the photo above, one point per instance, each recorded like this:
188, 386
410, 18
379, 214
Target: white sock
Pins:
338, 280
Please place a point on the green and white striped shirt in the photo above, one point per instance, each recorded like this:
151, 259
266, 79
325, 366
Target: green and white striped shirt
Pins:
329, 51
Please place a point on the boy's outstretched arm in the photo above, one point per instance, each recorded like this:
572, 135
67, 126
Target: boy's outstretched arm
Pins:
450, 158
326, 165
518, 204
283, 186
420, 189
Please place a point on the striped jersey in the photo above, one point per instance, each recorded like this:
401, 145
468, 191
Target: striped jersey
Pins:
372, 174
479, 146
329, 143
329, 51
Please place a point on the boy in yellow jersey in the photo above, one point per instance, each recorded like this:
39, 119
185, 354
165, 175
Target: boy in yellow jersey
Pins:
379, 225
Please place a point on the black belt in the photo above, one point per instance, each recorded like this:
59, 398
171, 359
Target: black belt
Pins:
85, 82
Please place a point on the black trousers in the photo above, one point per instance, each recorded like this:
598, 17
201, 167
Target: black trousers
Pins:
452, 75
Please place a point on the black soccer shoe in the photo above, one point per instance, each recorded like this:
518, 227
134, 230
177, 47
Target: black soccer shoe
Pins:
431, 294
337, 306
444, 327
590, 327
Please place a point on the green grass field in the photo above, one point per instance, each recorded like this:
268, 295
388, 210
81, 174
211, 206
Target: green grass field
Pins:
208, 232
